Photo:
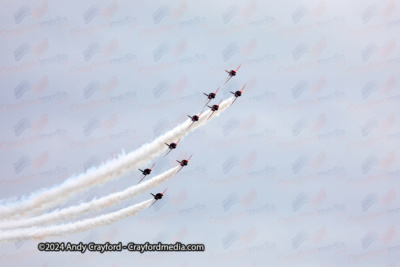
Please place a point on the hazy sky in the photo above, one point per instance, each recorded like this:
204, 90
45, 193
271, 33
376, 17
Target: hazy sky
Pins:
301, 171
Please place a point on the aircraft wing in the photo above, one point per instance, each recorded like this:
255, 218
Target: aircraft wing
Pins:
142, 179
210, 115
228, 80
201, 112
238, 67
168, 152
153, 203
233, 101
190, 125
179, 170
207, 103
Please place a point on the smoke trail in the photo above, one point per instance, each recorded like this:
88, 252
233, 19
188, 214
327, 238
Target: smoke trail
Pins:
203, 119
113, 169
94, 205
72, 228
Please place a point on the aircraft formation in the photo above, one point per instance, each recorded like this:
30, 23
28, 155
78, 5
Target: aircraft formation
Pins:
194, 119
20, 212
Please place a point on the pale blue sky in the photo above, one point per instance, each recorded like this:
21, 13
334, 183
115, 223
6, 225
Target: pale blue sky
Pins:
88, 80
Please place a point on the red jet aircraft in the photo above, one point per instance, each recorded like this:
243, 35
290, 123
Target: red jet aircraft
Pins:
232, 73
237, 94
214, 108
194, 118
183, 163
157, 196
211, 96
172, 146
146, 172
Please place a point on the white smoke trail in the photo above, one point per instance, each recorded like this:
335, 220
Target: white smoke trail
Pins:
113, 169
204, 117
72, 228
94, 205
